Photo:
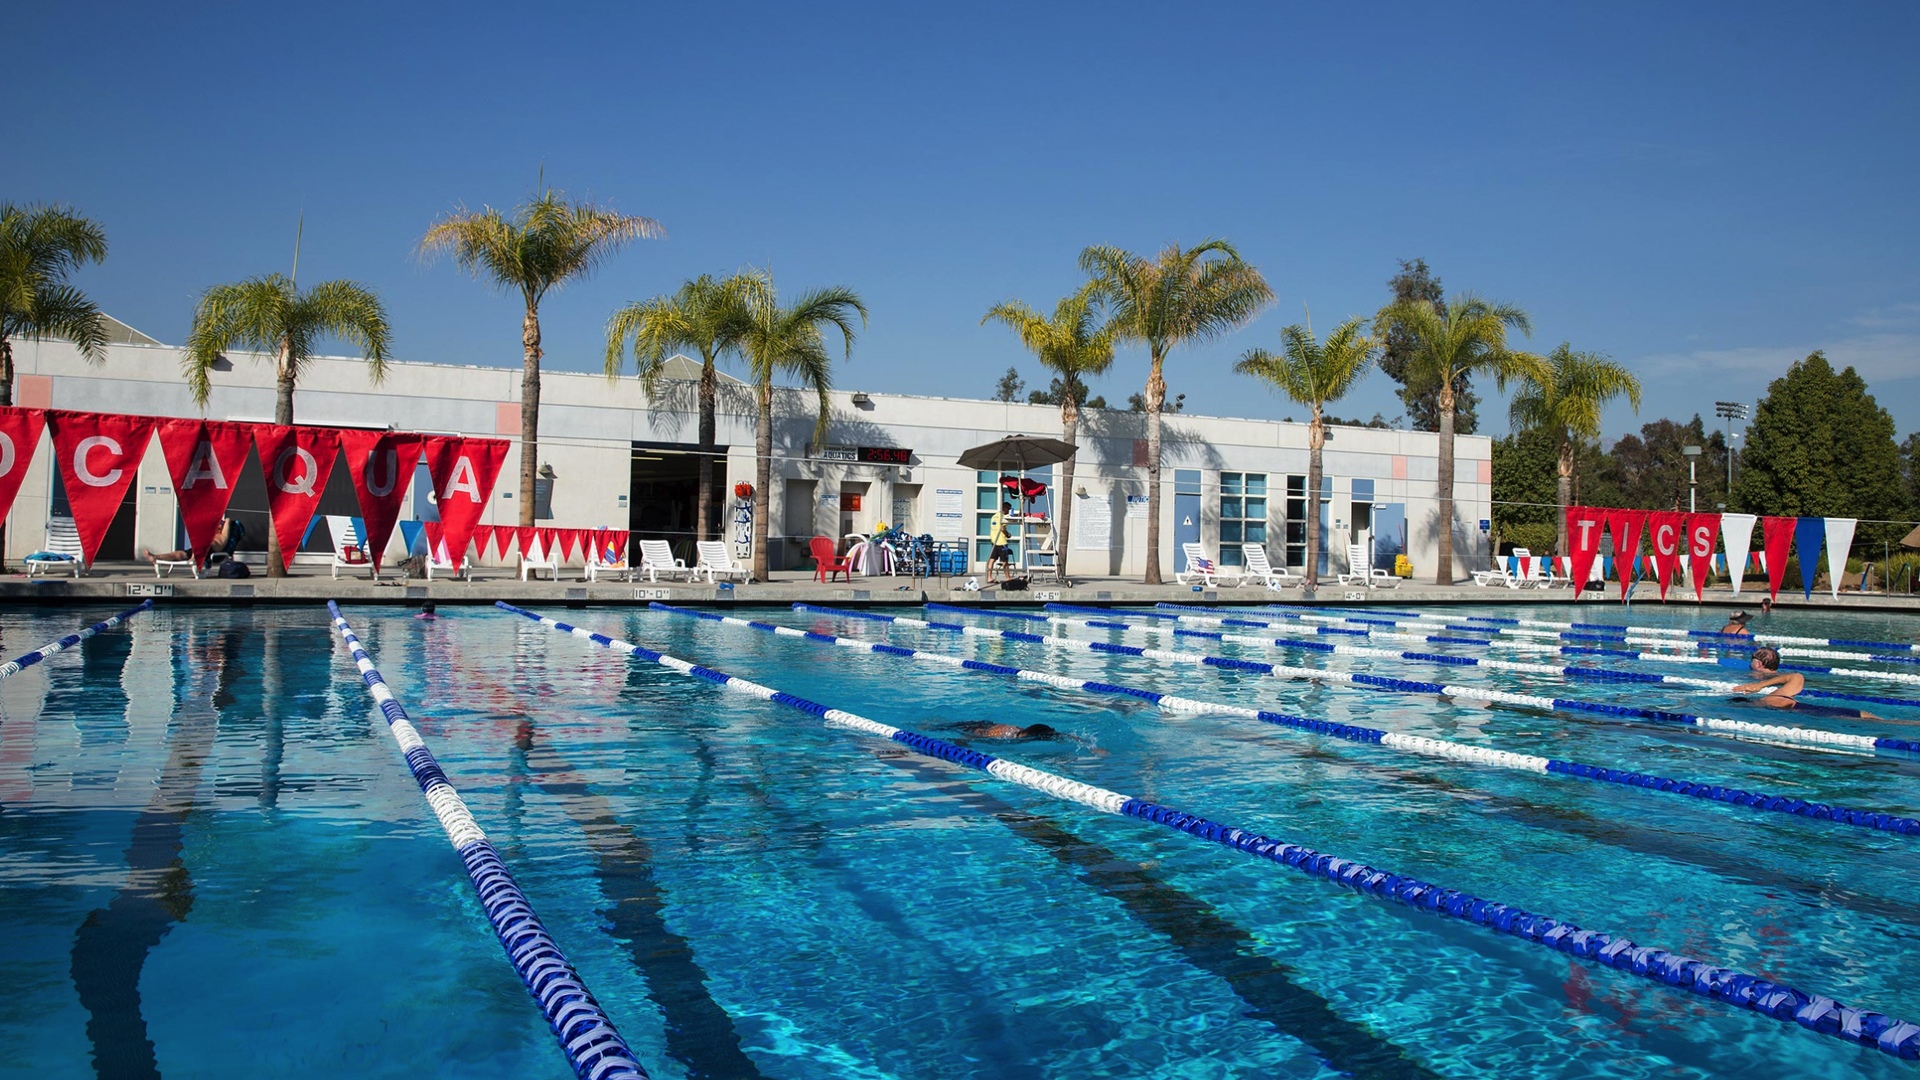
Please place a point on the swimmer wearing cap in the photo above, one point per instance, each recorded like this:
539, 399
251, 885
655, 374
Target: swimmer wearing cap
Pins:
1737, 624
1766, 662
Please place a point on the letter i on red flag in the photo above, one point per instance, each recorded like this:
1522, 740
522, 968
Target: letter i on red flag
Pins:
19, 440
204, 458
1625, 526
99, 455
1584, 526
297, 460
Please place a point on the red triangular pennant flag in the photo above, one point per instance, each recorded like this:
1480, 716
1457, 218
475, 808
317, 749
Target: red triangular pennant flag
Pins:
483, 540
436, 540
1777, 539
98, 456
297, 460
1584, 526
463, 472
548, 539
19, 440
381, 464
1666, 534
204, 458
1625, 527
1702, 531
527, 536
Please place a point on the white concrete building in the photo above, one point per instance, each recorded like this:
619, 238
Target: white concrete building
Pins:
620, 460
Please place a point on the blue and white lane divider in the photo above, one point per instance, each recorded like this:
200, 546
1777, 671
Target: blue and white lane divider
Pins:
1817, 1013
587, 1037
1504, 637
1902, 677
1669, 631
1417, 744
1719, 726
15, 667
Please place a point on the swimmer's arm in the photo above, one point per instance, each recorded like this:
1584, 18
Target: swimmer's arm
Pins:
1777, 680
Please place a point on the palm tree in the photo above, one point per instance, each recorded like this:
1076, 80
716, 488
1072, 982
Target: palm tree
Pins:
790, 339
543, 244
1313, 373
1470, 336
706, 316
1181, 295
39, 247
1073, 346
1566, 403
271, 315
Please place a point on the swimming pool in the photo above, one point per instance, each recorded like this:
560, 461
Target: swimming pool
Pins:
215, 863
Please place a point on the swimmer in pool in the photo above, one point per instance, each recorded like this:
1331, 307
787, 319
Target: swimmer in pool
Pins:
987, 729
1737, 624
426, 611
1766, 663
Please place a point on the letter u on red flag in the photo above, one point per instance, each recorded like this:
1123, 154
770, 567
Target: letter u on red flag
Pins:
463, 472
1584, 526
381, 464
204, 458
19, 439
1702, 531
99, 454
1625, 526
297, 460
1776, 539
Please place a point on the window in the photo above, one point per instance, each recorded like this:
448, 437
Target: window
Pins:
988, 495
1297, 522
1243, 514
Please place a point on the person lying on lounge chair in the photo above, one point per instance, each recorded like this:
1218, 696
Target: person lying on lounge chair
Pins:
1766, 663
225, 539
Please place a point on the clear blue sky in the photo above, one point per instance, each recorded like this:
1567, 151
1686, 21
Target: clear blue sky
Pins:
1705, 192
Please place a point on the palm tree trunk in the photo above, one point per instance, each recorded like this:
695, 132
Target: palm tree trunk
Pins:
705, 527
1565, 468
6, 398
1443, 574
1316, 438
282, 414
762, 480
1063, 495
1156, 397
529, 412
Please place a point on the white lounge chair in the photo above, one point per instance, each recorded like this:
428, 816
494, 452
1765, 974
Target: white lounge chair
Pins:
63, 538
1259, 569
1534, 573
1359, 572
349, 553
1497, 576
716, 559
656, 558
1205, 569
163, 567
597, 564
1546, 575
438, 559
532, 562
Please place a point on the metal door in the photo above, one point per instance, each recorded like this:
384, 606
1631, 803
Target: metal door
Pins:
1186, 528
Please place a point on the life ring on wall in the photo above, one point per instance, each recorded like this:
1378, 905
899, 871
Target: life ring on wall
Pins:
743, 490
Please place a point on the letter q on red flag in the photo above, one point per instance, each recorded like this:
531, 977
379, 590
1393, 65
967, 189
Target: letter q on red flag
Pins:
99, 455
19, 439
297, 461
1584, 526
463, 472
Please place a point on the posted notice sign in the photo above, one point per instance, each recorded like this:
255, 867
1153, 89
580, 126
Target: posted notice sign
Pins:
949, 513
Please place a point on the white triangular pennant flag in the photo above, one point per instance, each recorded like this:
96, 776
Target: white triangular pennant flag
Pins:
1839, 541
1736, 534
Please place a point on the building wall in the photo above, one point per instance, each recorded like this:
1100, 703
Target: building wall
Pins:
589, 426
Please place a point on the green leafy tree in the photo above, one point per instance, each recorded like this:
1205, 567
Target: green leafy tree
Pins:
40, 248
1821, 446
270, 315
1414, 283
1313, 373
1910, 469
1179, 296
1524, 489
1469, 336
790, 340
1648, 471
539, 246
1073, 345
1057, 391
1009, 386
1565, 399
707, 316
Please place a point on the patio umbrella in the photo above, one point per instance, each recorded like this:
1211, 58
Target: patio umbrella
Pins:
1912, 540
1017, 453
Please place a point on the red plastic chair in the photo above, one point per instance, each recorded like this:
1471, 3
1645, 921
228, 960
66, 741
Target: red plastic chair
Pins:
826, 563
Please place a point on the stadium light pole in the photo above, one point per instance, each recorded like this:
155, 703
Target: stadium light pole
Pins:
1730, 411
1693, 481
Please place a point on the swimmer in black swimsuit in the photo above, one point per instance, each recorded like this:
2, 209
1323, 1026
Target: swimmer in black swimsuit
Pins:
987, 729
1766, 663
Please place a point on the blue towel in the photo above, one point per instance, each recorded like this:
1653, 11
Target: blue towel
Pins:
49, 556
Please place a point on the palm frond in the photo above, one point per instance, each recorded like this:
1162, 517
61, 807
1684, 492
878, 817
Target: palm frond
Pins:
40, 248
545, 242
1313, 372
347, 310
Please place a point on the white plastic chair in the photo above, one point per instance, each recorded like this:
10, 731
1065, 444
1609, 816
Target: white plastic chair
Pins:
1259, 569
163, 567
1201, 567
656, 558
532, 562
1529, 576
716, 558
63, 538
1360, 573
348, 551
438, 559
1496, 576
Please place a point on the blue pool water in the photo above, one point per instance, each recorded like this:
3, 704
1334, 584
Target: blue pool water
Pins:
213, 862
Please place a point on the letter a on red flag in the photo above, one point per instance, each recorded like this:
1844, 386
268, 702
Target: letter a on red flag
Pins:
1776, 538
381, 464
1702, 531
463, 472
19, 440
1625, 526
1666, 533
99, 454
297, 461
204, 458
1584, 526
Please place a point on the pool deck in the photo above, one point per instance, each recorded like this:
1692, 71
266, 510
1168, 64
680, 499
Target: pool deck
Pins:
112, 582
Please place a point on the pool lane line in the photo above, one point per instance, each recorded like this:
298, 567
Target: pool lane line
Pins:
1675, 632
1416, 744
592, 1045
14, 667
1817, 1013
1730, 728
1524, 643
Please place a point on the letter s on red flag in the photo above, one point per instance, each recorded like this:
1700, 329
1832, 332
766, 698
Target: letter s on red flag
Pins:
19, 439
204, 458
297, 461
381, 464
1702, 531
1584, 526
463, 472
99, 455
